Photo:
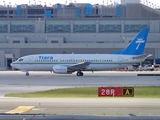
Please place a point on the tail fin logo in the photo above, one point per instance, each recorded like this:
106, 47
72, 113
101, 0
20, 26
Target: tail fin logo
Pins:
139, 42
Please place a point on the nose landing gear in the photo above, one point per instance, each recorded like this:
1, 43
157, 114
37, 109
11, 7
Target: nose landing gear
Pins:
27, 74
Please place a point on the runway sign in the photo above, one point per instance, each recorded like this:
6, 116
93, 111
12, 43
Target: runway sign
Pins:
128, 91
109, 91
116, 91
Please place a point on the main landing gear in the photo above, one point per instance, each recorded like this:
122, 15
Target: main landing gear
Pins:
79, 73
27, 74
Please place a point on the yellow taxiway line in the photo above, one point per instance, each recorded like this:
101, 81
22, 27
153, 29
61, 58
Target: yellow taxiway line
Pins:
20, 109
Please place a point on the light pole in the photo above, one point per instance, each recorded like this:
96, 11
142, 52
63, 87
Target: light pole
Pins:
9, 4
35, 2
4, 3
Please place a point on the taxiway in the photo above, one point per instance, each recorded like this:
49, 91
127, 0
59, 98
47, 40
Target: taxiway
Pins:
17, 82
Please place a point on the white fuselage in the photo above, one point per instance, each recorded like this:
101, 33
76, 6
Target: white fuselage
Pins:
99, 62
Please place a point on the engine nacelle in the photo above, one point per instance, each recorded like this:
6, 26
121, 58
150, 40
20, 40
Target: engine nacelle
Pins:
60, 69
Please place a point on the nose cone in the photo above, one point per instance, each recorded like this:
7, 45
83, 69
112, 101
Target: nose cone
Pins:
12, 64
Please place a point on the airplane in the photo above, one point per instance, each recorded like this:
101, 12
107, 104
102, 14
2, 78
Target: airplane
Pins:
69, 63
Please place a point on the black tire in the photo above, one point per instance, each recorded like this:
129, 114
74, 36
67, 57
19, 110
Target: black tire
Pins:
27, 74
79, 74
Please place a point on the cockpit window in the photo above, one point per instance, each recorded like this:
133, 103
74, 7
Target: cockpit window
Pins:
20, 60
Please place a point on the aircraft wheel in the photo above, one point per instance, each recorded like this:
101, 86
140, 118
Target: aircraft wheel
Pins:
27, 74
79, 74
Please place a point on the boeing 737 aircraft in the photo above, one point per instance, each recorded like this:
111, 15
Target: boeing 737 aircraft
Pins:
69, 63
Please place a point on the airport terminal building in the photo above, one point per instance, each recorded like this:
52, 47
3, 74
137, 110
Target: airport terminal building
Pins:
76, 28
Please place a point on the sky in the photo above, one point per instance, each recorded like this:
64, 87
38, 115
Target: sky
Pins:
48, 2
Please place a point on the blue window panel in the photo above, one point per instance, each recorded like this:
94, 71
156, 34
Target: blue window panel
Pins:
118, 10
58, 6
48, 14
88, 9
77, 13
18, 11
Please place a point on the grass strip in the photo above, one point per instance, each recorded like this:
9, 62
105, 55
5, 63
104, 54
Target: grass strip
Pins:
86, 92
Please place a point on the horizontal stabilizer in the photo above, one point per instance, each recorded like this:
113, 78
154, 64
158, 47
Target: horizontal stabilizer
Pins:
142, 56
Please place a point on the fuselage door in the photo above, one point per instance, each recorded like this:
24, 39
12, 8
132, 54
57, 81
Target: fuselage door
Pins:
120, 60
29, 63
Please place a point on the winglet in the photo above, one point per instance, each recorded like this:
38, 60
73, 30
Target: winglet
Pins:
137, 45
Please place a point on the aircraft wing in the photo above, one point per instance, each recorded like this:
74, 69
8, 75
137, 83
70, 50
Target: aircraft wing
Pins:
79, 66
142, 56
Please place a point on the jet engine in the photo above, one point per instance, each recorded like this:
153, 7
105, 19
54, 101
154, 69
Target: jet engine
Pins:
60, 69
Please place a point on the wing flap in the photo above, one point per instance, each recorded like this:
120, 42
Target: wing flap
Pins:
79, 66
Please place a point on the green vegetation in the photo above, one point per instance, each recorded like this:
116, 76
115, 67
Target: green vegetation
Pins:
86, 92
147, 92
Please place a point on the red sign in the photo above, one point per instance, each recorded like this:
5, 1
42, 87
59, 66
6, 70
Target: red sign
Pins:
109, 91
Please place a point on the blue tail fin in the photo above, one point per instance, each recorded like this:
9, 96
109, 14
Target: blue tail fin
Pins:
137, 45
